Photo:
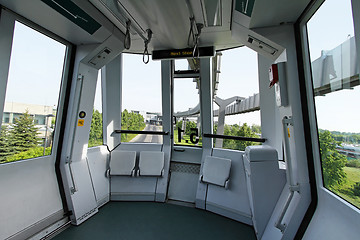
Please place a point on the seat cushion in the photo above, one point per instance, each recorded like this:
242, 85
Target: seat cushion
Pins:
151, 163
216, 170
122, 163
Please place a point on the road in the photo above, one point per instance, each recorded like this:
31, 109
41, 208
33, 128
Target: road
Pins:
148, 138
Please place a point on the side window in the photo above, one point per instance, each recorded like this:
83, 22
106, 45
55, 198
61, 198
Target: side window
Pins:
187, 128
236, 103
96, 129
141, 99
335, 75
36, 65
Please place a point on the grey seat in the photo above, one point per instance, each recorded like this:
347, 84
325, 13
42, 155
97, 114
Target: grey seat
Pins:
216, 171
122, 163
151, 163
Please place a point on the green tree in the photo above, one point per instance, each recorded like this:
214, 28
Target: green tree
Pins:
236, 130
5, 148
189, 125
246, 131
131, 121
24, 133
332, 162
256, 128
96, 129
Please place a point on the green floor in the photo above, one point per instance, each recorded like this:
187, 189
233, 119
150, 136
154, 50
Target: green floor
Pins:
148, 220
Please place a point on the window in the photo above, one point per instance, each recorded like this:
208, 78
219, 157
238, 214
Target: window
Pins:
96, 128
32, 92
141, 99
236, 103
335, 75
187, 127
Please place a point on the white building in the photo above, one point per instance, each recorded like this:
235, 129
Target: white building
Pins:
43, 116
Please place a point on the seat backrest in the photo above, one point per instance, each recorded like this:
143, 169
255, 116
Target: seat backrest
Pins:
122, 163
151, 163
216, 170
260, 153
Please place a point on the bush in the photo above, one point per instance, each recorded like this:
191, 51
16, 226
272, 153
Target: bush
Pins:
31, 153
356, 189
353, 163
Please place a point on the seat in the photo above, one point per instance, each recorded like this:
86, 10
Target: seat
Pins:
151, 163
122, 163
216, 171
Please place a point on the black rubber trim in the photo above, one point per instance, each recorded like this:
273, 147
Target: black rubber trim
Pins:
142, 132
234, 137
307, 132
62, 129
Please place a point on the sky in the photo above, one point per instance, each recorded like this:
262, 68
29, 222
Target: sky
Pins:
34, 71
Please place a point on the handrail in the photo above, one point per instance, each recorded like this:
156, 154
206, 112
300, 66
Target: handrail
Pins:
142, 132
234, 137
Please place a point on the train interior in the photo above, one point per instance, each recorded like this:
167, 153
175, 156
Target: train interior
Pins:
195, 162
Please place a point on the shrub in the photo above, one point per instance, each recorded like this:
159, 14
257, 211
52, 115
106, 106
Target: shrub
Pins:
356, 189
353, 163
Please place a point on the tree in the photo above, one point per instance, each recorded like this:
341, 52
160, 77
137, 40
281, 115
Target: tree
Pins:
24, 133
256, 128
236, 130
96, 129
5, 148
332, 161
246, 131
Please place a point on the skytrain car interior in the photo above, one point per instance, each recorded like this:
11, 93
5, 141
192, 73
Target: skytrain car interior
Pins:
181, 119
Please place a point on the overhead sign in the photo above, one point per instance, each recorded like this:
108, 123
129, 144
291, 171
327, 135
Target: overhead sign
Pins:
183, 53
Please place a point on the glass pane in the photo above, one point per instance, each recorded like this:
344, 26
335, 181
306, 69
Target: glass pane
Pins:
335, 73
187, 127
33, 87
236, 105
141, 99
96, 129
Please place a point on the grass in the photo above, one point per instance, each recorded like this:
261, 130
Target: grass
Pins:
346, 190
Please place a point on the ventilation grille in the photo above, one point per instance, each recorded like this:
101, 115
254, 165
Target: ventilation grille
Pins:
185, 168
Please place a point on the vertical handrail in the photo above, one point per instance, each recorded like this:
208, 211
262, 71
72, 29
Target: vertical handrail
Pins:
287, 121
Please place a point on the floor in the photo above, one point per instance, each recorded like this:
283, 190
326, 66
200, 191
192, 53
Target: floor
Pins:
161, 221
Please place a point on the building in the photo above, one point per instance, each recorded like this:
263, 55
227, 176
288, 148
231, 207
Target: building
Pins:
43, 116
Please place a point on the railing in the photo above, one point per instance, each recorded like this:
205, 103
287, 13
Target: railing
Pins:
261, 140
142, 132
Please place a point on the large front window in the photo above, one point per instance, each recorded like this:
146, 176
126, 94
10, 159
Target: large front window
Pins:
141, 100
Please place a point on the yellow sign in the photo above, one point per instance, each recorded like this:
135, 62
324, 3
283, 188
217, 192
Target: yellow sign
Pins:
81, 122
288, 132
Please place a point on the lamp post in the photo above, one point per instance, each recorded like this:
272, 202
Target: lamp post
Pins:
46, 128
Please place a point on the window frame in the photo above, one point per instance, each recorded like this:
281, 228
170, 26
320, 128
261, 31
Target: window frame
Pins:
64, 82
312, 133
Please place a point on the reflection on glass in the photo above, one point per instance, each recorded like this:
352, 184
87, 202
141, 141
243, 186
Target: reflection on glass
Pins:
335, 74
